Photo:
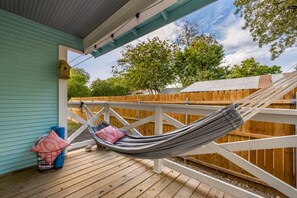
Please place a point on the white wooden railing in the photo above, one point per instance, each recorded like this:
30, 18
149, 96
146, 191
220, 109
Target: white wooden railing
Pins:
226, 149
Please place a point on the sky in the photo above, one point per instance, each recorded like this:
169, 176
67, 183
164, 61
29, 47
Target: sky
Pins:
217, 18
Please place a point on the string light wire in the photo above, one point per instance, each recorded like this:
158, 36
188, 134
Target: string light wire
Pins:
82, 61
75, 58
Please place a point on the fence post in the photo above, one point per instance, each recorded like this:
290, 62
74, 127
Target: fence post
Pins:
295, 161
106, 113
158, 131
139, 110
186, 115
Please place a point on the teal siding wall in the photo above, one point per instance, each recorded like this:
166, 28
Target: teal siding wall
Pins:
28, 86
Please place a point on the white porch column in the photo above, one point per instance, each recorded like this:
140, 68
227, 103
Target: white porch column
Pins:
158, 131
63, 95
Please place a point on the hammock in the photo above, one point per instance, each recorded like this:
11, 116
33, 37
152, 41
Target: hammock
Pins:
200, 132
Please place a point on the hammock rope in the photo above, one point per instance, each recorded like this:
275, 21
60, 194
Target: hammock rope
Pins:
200, 132
254, 103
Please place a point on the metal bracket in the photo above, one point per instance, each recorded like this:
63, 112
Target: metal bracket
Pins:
293, 101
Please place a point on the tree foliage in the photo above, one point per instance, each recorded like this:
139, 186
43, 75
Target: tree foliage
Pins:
109, 87
77, 84
147, 66
250, 67
186, 33
200, 61
270, 22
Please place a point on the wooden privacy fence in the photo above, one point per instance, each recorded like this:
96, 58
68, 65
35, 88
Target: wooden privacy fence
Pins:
278, 162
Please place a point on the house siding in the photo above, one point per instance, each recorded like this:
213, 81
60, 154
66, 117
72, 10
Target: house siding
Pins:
28, 86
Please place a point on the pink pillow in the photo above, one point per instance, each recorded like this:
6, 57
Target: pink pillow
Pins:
110, 134
50, 147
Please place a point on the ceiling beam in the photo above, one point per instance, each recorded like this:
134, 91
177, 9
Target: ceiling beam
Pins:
165, 15
134, 31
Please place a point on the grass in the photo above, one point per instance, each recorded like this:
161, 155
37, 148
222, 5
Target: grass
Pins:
72, 127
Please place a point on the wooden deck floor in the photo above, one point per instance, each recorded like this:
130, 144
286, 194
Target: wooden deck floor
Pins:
103, 173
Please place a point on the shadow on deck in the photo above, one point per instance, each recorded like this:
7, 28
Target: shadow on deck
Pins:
103, 173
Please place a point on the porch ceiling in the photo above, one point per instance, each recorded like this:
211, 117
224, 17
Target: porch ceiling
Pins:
76, 17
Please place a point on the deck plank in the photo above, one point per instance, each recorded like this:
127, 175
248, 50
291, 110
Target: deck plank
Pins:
49, 180
69, 186
126, 182
174, 187
10, 180
215, 193
114, 175
83, 157
188, 189
154, 190
143, 186
227, 196
201, 191
19, 175
15, 179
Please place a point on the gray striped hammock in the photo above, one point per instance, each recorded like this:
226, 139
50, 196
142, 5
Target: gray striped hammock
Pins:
177, 142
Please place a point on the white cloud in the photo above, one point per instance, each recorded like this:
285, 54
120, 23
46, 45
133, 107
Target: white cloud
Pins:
167, 32
246, 52
234, 37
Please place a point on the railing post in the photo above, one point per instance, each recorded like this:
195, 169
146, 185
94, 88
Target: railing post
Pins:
106, 113
158, 131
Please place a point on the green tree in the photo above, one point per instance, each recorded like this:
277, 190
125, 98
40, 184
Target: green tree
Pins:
250, 67
270, 22
200, 61
109, 87
77, 84
147, 66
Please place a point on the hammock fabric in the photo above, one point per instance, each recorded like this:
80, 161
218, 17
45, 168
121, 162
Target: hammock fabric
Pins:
177, 142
